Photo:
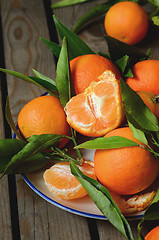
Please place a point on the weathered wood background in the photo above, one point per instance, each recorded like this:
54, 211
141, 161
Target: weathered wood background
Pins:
23, 214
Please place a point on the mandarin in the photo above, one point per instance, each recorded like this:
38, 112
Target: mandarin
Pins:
151, 100
126, 170
145, 76
127, 21
87, 68
98, 109
63, 184
153, 234
43, 115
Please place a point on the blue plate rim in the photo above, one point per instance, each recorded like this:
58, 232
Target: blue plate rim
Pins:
72, 210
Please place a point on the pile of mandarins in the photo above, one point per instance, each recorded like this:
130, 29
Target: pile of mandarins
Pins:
96, 110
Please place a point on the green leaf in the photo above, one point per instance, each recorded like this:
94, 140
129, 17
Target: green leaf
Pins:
36, 144
93, 13
8, 148
107, 143
20, 76
138, 134
151, 213
129, 73
47, 82
137, 112
30, 164
77, 46
10, 120
103, 200
63, 75
118, 49
66, 3
123, 65
54, 47
37, 81
154, 2
155, 20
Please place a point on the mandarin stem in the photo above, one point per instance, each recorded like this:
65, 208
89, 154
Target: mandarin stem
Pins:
79, 155
61, 155
155, 99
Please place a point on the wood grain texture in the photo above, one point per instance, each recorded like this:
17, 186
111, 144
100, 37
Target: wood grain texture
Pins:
24, 22
108, 232
5, 222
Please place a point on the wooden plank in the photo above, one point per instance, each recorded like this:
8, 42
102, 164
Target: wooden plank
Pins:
107, 231
5, 223
23, 24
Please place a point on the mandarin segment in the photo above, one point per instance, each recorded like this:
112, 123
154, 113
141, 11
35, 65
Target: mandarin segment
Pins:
127, 21
126, 170
87, 68
98, 109
43, 115
63, 184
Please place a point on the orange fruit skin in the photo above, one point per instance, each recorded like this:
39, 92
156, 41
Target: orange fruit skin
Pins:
126, 170
43, 115
127, 21
87, 68
147, 98
153, 234
63, 184
145, 76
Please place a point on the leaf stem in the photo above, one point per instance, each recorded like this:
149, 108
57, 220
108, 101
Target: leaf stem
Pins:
62, 155
79, 155
155, 99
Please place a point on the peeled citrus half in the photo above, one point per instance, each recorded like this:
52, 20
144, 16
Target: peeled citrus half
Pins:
98, 109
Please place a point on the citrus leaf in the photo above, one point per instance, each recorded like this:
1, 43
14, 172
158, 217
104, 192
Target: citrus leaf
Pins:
123, 65
129, 73
93, 13
154, 2
37, 81
49, 87
49, 83
36, 144
19, 75
137, 112
155, 20
107, 143
66, 3
77, 46
138, 134
28, 165
118, 49
8, 148
54, 47
103, 200
63, 75
10, 120
151, 213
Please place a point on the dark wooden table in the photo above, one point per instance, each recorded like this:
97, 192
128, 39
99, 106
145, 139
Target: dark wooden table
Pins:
23, 214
